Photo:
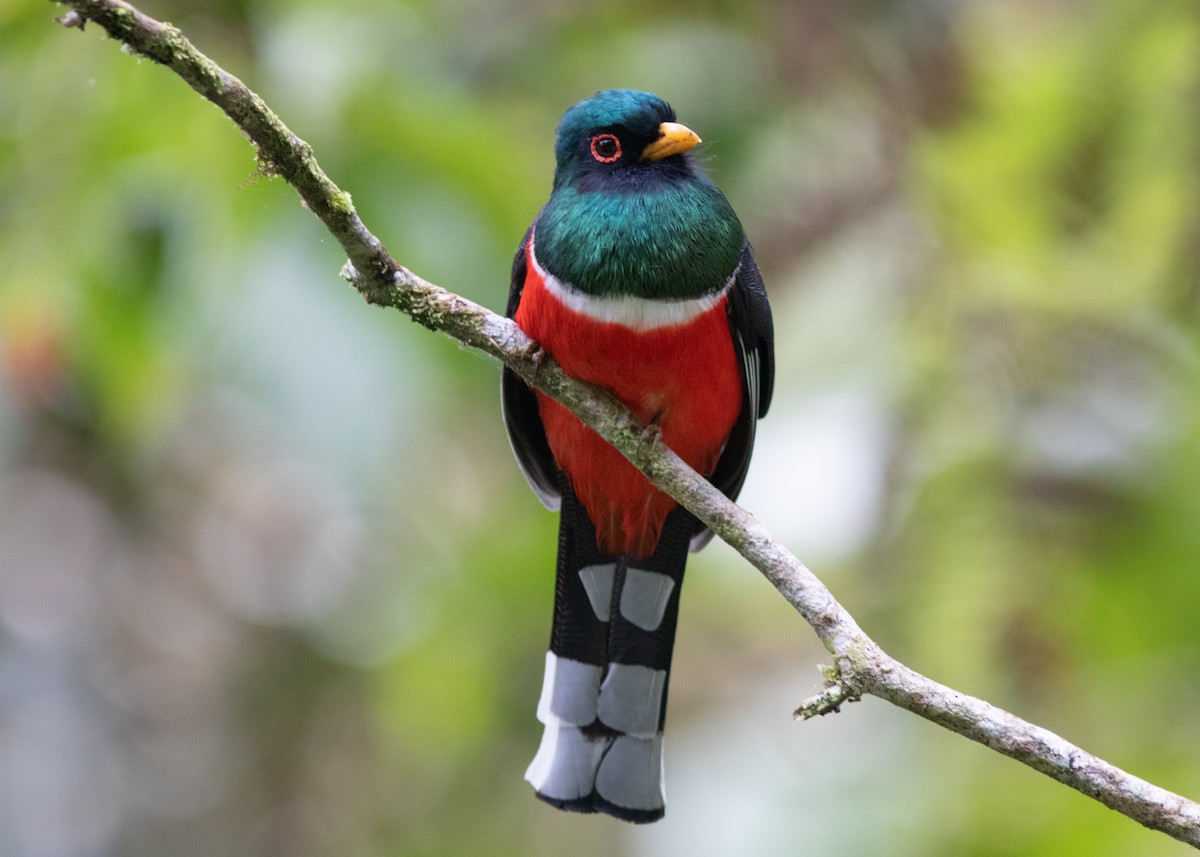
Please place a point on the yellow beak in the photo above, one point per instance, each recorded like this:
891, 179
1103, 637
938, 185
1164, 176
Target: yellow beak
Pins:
673, 138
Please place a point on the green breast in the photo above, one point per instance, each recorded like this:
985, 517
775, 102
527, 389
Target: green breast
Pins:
677, 240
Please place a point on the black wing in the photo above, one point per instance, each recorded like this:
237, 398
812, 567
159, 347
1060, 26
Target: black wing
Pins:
519, 406
754, 342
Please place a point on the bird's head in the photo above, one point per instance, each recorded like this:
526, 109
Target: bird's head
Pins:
631, 212
620, 137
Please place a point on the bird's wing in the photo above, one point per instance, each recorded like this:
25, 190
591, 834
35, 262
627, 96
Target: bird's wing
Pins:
519, 405
754, 342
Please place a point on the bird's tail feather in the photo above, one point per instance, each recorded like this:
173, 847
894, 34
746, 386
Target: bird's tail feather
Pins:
604, 695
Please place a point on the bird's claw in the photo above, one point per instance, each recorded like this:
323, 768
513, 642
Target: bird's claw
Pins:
650, 437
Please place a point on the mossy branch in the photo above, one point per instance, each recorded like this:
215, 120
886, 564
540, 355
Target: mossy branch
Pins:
859, 665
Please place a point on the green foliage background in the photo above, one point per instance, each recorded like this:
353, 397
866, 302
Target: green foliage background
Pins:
270, 582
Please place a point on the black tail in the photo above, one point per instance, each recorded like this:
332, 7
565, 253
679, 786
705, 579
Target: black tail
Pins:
604, 695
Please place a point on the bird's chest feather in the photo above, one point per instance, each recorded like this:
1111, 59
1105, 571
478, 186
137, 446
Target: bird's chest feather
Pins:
672, 363
663, 359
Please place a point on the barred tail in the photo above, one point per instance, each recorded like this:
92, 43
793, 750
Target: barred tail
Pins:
604, 695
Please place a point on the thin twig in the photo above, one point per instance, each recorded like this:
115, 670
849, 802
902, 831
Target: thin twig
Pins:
859, 667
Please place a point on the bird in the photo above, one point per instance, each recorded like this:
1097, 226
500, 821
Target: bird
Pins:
635, 276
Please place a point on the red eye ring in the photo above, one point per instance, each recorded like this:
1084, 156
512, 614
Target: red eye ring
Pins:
606, 148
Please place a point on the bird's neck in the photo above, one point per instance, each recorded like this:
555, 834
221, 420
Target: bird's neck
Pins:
675, 241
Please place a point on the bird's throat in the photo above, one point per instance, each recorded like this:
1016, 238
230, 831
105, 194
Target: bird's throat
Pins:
672, 241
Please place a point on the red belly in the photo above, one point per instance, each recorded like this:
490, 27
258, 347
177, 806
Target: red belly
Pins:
684, 379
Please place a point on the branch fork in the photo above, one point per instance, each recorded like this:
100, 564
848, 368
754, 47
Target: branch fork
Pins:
830, 700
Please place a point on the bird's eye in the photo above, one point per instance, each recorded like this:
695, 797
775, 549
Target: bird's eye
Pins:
606, 148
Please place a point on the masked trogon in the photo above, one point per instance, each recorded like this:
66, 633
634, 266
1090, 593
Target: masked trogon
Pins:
635, 276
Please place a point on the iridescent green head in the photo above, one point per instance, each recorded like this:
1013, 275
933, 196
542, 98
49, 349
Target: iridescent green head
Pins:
631, 212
